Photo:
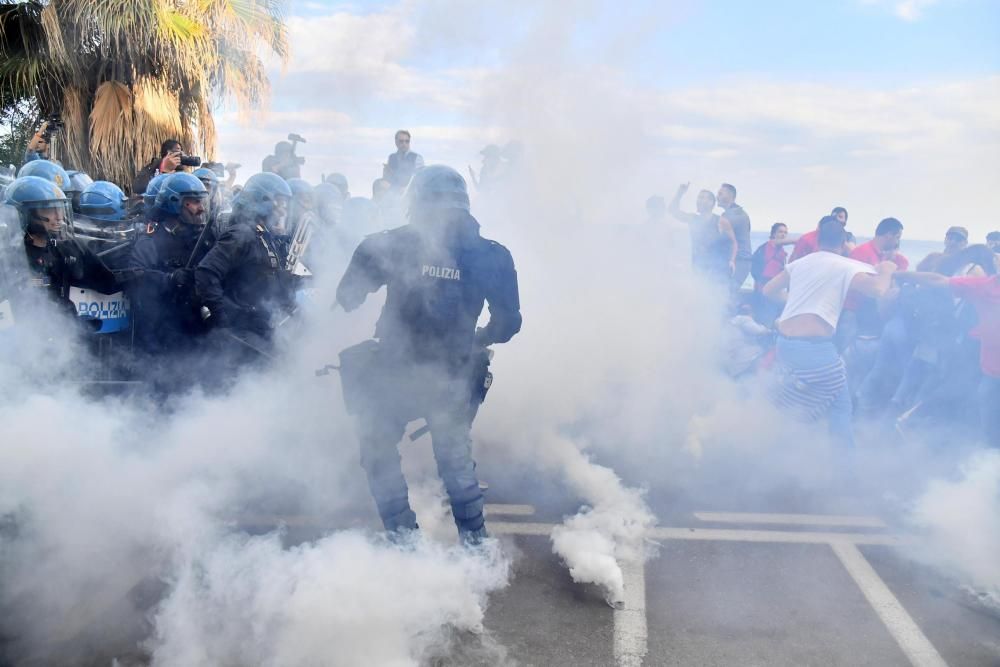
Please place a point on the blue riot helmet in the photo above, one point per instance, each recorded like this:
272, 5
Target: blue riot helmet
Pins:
48, 170
264, 199
103, 200
174, 200
43, 208
436, 188
78, 182
329, 202
303, 199
208, 178
340, 181
152, 189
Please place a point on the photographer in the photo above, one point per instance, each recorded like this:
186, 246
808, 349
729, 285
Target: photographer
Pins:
172, 159
38, 147
284, 162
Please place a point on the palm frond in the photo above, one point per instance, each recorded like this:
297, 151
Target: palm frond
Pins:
55, 48
74, 145
112, 131
128, 73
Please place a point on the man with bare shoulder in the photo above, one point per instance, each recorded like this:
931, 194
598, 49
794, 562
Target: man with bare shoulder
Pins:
813, 377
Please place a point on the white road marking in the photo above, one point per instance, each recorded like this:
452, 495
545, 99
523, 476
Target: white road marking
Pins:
901, 626
499, 509
630, 621
720, 534
793, 519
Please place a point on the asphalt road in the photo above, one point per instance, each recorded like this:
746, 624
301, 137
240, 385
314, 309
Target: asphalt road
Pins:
734, 588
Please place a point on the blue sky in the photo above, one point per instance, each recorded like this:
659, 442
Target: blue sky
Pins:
887, 106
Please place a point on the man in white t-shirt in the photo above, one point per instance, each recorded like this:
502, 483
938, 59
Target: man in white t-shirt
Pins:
813, 377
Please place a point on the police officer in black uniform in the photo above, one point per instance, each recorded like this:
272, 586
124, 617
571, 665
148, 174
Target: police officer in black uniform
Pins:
56, 261
244, 282
162, 266
429, 360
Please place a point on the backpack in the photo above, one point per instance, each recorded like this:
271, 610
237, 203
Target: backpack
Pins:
757, 263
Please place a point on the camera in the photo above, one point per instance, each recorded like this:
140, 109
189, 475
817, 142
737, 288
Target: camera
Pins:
52, 125
190, 160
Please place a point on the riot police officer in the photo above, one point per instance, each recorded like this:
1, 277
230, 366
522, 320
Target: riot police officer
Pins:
162, 263
56, 260
50, 171
149, 210
215, 202
303, 204
244, 281
102, 201
429, 360
78, 182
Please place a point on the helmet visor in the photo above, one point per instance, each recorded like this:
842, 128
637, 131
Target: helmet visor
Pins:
52, 218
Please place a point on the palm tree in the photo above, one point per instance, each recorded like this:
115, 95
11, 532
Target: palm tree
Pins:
126, 74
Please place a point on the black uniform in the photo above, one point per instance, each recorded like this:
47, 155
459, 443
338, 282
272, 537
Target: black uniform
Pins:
244, 280
162, 291
64, 263
430, 360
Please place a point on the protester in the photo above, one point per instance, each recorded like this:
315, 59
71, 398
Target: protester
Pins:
713, 243
983, 292
808, 243
813, 376
771, 255
956, 239
768, 261
862, 322
738, 220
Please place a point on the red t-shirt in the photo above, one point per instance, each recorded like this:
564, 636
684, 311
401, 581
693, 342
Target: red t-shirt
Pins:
983, 292
807, 244
775, 259
868, 253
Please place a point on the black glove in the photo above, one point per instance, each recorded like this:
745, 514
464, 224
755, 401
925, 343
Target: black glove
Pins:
182, 278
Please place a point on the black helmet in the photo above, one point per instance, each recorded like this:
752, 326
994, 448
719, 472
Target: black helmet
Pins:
437, 187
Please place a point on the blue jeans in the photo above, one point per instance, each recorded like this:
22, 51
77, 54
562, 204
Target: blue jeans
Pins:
989, 409
805, 355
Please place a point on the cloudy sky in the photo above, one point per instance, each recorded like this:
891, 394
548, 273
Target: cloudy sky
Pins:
887, 107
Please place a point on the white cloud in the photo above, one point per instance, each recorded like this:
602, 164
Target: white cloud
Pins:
907, 10
924, 151
911, 10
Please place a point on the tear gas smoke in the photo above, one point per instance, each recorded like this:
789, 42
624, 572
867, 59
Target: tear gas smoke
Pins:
126, 524
957, 520
252, 601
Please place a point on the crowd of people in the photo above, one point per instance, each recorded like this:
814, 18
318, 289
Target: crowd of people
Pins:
850, 334
204, 273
